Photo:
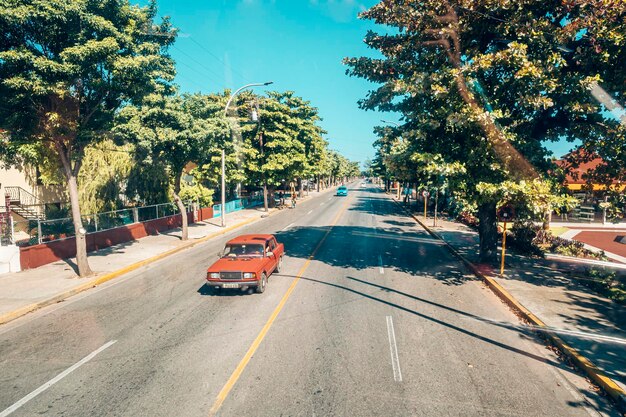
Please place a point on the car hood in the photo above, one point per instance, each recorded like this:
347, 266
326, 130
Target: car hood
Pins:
235, 264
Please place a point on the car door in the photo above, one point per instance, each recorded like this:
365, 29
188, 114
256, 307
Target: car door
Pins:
279, 249
271, 247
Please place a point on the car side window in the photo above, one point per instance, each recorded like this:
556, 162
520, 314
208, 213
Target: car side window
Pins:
271, 245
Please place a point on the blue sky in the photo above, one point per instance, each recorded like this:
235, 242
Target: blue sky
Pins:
298, 44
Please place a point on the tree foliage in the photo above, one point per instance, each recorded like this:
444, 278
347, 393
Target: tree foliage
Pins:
486, 83
65, 68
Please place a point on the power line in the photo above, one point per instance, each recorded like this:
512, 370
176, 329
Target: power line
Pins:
233, 70
203, 66
200, 87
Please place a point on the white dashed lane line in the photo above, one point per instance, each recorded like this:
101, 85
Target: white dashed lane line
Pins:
393, 348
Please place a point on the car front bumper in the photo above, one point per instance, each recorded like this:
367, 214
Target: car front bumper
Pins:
232, 284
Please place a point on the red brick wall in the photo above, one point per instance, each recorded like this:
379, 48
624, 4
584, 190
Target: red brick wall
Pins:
45, 253
205, 213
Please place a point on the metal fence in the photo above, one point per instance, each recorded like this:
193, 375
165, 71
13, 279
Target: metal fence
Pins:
255, 199
32, 232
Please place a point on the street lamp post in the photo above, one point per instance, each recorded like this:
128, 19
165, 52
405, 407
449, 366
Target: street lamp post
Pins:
223, 205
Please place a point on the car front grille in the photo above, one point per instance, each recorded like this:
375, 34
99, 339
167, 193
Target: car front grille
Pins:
231, 275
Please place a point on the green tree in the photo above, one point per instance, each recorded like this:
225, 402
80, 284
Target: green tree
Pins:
486, 83
104, 176
65, 68
287, 143
166, 131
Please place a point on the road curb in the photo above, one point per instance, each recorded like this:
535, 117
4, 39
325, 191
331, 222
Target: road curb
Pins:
591, 370
12, 315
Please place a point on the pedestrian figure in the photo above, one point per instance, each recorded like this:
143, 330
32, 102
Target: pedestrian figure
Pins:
293, 199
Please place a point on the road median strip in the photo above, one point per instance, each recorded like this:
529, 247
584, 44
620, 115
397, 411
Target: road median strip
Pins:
592, 371
12, 315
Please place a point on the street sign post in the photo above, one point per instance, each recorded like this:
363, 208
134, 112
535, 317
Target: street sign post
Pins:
436, 202
506, 213
425, 194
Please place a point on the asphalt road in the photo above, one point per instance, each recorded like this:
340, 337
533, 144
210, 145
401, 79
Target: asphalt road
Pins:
381, 320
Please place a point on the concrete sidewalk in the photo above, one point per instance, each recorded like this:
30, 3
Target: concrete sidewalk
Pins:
592, 324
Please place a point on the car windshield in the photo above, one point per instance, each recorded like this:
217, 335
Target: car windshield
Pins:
242, 250
342, 188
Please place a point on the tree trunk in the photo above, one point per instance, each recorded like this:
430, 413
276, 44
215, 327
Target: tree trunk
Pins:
72, 186
265, 207
300, 187
488, 232
181, 208
271, 191
81, 239
318, 183
547, 218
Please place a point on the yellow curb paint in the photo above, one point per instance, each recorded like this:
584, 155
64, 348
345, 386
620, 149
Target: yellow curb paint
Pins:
234, 377
596, 375
12, 315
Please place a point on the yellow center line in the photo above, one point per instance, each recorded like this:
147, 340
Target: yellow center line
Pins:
257, 342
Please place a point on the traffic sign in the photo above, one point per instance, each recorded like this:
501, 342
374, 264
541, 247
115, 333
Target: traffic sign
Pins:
506, 213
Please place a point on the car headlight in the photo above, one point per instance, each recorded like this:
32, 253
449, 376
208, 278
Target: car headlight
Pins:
214, 275
248, 275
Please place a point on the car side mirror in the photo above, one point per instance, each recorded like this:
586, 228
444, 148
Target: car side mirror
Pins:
270, 253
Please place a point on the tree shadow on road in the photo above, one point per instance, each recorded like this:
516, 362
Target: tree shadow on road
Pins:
391, 248
524, 331
566, 299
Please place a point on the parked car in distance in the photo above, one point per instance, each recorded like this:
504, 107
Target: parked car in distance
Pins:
342, 191
247, 261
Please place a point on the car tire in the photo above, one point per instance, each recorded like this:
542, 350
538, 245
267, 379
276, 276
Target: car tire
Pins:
279, 265
260, 289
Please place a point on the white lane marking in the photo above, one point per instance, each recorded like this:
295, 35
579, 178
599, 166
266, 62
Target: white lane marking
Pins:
54, 380
395, 361
288, 226
309, 212
323, 202
380, 265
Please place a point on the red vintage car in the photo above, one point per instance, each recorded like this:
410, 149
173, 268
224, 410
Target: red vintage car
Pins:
247, 261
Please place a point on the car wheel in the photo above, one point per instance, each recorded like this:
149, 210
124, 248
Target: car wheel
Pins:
261, 287
280, 264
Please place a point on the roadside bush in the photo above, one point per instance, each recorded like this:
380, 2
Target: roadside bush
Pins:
197, 192
523, 237
531, 239
468, 219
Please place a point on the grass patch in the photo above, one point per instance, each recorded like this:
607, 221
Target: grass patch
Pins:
559, 230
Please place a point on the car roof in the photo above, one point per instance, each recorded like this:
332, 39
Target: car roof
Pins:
250, 239
343, 186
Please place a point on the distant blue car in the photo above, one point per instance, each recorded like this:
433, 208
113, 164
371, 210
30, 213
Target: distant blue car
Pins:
342, 191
